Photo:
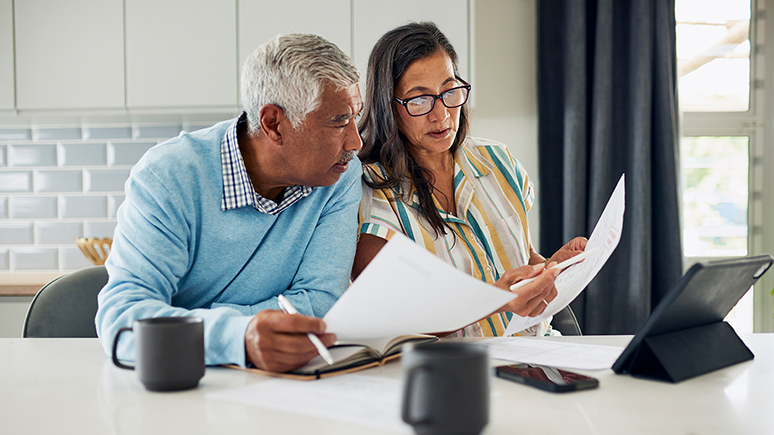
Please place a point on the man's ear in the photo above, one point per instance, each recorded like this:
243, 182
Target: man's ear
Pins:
271, 116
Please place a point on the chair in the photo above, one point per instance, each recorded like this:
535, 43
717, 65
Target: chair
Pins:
565, 322
96, 250
66, 306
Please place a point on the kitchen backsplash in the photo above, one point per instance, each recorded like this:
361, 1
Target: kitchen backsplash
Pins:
60, 183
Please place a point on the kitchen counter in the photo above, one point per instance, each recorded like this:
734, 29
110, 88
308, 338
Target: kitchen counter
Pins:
24, 284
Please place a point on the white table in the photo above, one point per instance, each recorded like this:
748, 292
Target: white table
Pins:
62, 386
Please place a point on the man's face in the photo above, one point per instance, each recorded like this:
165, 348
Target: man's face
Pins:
318, 151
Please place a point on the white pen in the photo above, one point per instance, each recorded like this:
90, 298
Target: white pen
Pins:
288, 308
563, 265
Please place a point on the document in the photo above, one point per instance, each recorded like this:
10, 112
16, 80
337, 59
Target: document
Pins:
368, 401
571, 282
553, 353
408, 290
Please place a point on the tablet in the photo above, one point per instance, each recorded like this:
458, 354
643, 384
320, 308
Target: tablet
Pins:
702, 297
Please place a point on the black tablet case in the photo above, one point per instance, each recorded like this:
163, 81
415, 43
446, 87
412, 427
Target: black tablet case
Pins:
686, 335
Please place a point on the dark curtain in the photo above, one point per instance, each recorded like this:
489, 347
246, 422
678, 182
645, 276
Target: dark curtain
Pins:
607, 105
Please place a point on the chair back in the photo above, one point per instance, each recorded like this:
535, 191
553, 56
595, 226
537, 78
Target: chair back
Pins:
565, 322
66, 306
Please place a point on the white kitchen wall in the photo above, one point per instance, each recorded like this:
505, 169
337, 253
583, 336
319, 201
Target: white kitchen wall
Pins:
506, 88
63, 182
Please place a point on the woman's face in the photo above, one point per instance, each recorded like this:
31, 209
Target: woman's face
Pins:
435, 131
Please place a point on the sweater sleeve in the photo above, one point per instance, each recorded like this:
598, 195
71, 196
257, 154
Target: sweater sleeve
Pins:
149, 257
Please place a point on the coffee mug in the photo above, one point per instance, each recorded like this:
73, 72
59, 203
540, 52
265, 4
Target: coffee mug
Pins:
446, 388
169, 352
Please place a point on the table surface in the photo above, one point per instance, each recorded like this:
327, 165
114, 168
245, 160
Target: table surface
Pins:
69, 386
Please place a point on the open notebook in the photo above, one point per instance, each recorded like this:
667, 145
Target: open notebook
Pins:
349, 356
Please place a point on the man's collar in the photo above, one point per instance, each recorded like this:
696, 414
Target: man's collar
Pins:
238, 190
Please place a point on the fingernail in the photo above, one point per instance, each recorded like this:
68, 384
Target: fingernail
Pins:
537, 266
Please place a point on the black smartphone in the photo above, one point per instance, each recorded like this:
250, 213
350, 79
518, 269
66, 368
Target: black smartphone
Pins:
546, 378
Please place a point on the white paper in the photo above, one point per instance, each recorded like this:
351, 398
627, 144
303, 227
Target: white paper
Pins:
408, 290
553, 353
571, 282
356, 399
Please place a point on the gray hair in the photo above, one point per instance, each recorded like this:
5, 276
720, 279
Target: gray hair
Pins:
291, 71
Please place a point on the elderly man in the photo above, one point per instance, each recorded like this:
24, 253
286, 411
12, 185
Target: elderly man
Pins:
217, 223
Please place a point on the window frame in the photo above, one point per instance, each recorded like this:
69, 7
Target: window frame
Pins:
751, 123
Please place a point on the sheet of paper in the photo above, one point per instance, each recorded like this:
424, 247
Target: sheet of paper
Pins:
408, 290
553, 353
367, 401
571, 282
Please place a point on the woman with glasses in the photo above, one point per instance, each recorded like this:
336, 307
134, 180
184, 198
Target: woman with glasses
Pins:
464, 199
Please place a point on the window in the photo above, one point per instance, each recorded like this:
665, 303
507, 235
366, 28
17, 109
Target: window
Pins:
720, 77
715, 191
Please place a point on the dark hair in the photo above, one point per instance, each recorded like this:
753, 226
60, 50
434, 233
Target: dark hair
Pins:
382, 141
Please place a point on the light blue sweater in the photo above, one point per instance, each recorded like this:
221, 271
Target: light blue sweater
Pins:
175, 253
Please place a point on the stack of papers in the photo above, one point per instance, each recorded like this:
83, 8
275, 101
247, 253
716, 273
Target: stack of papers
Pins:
553, 353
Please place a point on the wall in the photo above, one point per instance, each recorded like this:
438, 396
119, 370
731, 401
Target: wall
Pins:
61, 182
506, 90
505, 110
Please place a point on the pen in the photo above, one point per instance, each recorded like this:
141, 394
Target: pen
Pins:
288, 308
563, 265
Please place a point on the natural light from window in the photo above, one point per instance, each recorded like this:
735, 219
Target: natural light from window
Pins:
713, 51
713, 55
715, 195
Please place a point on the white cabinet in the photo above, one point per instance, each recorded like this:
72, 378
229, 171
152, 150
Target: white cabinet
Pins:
261, 20
69, 54
373, 18
6, 55
181, 53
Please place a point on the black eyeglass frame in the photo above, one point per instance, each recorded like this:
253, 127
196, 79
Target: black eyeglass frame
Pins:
405, 102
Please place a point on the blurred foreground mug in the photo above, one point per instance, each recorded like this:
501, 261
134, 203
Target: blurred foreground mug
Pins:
169, 352
446, 388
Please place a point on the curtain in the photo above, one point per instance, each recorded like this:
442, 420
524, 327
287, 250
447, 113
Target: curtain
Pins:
607, 105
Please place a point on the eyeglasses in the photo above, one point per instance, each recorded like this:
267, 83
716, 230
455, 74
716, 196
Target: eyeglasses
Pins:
424, 104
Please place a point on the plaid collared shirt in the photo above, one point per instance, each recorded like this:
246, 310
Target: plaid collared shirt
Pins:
238, 191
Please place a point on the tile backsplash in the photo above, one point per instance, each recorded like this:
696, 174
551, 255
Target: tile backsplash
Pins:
59, 183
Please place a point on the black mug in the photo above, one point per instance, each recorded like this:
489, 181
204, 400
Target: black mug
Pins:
446, 388
169, 352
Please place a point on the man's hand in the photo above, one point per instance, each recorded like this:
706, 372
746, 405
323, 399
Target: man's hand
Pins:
277, 342
533, 298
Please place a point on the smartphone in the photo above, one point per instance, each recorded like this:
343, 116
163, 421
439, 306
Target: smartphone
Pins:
546, 378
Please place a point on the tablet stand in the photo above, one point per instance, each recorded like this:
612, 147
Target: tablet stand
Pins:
683, 354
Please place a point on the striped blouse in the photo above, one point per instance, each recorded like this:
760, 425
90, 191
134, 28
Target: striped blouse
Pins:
493, 194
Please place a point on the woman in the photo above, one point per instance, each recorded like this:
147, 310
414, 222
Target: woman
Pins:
463, 199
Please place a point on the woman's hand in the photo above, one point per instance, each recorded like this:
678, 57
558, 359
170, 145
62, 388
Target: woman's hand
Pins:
533, 298
571, 249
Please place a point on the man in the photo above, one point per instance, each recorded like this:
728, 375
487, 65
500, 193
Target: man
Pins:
219, 222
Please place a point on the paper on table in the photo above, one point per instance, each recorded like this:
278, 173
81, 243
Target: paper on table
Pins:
553, 353
357, 399
408, 290
571, 282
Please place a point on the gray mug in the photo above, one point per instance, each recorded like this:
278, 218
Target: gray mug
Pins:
169, 352
446, 388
